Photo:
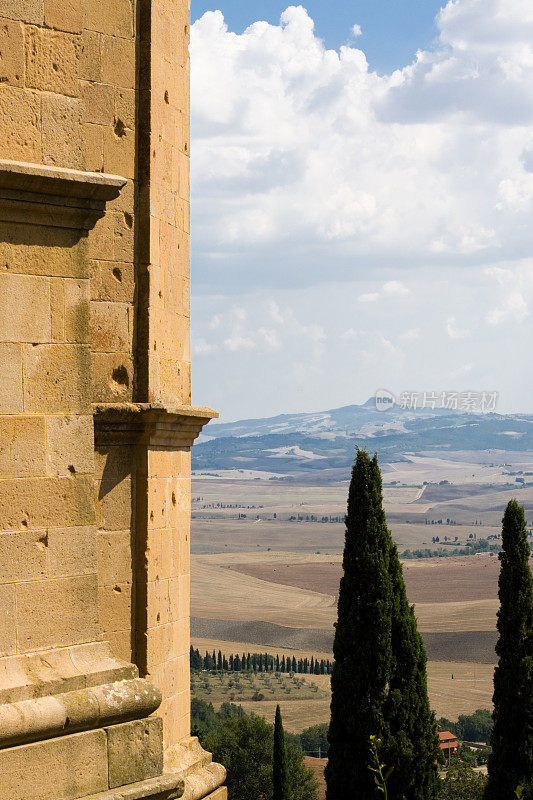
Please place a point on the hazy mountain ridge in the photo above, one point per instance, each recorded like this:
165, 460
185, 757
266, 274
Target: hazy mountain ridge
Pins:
324, 441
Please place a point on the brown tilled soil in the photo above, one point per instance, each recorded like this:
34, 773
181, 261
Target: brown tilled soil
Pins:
317, 766
432, 580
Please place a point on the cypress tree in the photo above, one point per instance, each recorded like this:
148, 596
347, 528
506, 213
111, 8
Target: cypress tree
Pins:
280, 776
362, 644
511, 761
294, 665
219, 660
411, 742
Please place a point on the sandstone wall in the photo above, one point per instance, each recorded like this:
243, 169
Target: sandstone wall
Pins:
95, 417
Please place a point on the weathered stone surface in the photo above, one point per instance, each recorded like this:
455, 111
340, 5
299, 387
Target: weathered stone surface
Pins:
135, 751
165, 787
64, 16
52, 61
63, 145
61, 769
31, 323
56, 612
20, 116
22, 446
56, 378
69, 444
11, 52
35, 503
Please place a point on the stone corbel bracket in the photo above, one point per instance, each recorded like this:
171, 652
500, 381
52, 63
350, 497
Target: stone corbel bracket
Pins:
53, 196
151, 424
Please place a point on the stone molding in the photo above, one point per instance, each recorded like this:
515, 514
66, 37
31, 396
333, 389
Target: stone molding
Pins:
65, 669
83, 709
164, 787
54, 196
202, 775
151, 424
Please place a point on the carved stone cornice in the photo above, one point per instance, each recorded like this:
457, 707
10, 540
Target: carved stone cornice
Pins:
36, 194
151, 424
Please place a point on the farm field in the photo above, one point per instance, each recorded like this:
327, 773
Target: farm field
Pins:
266, 564
239, 687
469, 689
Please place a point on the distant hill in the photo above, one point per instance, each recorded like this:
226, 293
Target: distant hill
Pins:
324, 441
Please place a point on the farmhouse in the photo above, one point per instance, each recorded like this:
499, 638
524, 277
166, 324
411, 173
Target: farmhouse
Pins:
449, 743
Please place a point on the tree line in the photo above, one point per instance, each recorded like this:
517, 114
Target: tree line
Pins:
258, 662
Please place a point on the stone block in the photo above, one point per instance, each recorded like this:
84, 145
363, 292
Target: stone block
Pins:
135, 751
52, 60
10, 378
71, 551
114, 557
31, 294
37, 250
101, 238
37, 503
94, 147
125, 106
111, 328
113, 470
8, 630
30, 11
57, 769
69, 442
62, 131
121, 643
112, 375
90, 66
123, 237
114, 17
77, 312
119, 152
20, 117
99, 100
115, 609
22, 556
57, 309
113, 281
22, 446
118, 62
56, 378
64, 16
56, 612
11, 53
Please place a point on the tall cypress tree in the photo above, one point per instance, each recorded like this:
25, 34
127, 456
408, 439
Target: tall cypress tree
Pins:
511, 761
362, 644
280, 776
411, 743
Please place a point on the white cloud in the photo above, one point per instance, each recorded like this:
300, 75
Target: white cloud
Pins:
303, 156
354, 230
454, 332
356, 30
515, 292
396, 287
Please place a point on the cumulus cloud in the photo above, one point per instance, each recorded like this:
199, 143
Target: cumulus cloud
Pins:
307, 154
354, 230
454, 332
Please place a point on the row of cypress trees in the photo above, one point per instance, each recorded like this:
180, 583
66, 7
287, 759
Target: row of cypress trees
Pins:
379, 681
258, 662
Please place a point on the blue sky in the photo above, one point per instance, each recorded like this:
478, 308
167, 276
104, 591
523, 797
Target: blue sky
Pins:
361, 215
392, 30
